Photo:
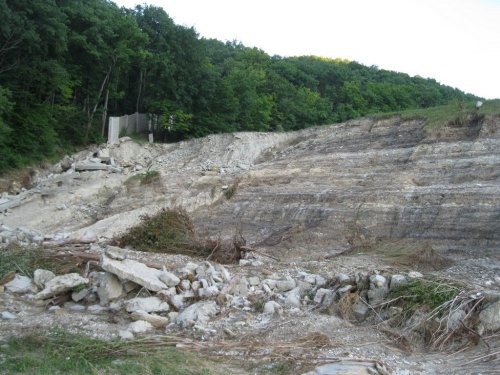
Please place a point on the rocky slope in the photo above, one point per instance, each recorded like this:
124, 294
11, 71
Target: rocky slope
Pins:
330, 203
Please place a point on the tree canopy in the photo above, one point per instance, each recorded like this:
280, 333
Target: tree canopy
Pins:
66, 65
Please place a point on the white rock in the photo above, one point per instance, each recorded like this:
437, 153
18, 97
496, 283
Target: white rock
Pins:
140, 326
195, 285
41, 277
226, 276
96, 309
320, 281
74, 307
272, 307
81, 294
188, 269
177, 301
254, 280
137, 272
490, 316
156, 321
169, 278
129, 286
344, 290
415, 275
240, 288
20, 284
7, 315
61, 284
110, 288
198, 313
211, 291
147, 304
397, 280
185, 284
125, 334
378, 281
116, 253
342, 278
285, 285
320, 295
293, 298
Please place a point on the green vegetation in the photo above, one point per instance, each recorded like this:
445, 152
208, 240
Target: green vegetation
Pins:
25, 261
423, 293
60, 352
65, 66
168, 231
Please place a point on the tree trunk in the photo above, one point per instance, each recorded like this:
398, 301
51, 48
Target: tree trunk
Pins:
91, 114
105, 112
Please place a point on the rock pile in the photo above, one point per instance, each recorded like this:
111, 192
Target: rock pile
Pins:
189, 296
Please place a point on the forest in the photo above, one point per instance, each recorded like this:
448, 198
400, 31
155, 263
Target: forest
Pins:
66, 65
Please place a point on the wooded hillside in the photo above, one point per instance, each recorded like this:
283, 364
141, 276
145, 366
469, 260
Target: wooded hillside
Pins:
65, 65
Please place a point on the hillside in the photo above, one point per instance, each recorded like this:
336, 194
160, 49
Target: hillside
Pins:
367, 199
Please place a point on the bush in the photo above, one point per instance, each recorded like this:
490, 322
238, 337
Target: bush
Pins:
172, 231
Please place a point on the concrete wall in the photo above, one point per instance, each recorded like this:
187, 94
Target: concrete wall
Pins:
127, 124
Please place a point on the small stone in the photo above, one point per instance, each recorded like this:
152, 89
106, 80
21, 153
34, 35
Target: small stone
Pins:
240, 288
285, 285
344, 290
272, 307
169, 278
490, 317
377, 295
185, 284
378, 281
360, 311
80, 295
74, 307
97, 309
293, 298
116, 253
156, 321
320, 295
343, 279
415, 275
397, 281
254, 280
7, 315
140, 326
20, 284
147, 304
211, 291
125, 335
199, 312
41, 277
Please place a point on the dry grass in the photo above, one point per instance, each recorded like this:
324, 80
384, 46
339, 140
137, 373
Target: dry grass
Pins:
345, 305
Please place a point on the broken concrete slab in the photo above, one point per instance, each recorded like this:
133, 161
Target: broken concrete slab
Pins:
20, 284
91, 166
61, 284
146, 304
199, 312
137, 272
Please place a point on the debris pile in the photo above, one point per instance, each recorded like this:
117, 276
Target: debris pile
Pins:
152, 297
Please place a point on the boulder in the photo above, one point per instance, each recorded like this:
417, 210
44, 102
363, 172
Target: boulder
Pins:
147, 304
293, 298
285, 285
137, 272
169, 278
272, 307
41, 277
490, 317
397, 280
197, 313
140, 326
321, 294
61, 284
110, 288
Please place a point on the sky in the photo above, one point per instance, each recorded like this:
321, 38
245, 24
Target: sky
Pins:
456, 42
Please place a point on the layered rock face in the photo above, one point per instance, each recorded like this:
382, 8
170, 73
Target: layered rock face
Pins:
331, 188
